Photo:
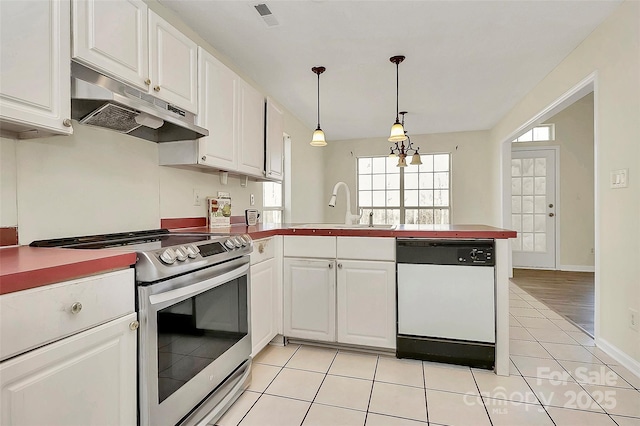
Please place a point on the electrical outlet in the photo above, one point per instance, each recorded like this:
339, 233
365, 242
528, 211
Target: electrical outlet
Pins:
252, 200
633, 319
197, 201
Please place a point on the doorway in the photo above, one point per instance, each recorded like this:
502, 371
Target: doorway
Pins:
574, 275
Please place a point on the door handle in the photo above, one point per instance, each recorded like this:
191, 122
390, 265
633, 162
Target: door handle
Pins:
551, 215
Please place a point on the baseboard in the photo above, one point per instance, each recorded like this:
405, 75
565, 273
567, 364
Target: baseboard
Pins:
615, 353
577, 268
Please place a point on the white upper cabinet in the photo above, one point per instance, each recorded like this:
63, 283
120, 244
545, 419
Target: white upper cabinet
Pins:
251, 156
34, 67
127, 41
112, 36
173, 64
218, 112
274, 144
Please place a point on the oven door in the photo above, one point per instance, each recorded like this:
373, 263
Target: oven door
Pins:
194, 332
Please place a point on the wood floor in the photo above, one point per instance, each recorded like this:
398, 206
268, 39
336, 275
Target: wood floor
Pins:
570, 294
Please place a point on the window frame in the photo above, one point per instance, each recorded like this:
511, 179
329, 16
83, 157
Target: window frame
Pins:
266, 208
552, 134
402, 207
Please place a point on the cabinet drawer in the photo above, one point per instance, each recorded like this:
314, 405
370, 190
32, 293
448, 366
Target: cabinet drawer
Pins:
303, 246
34, 317
262, 250
366, 248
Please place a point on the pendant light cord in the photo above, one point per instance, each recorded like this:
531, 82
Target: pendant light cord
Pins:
397, 90
318, 100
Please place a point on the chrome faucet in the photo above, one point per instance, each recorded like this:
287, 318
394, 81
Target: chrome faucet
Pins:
349, 219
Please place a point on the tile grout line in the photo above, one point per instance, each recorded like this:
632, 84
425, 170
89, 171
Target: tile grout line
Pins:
486, 410
263, 392
424, 382
373, 382
319, 387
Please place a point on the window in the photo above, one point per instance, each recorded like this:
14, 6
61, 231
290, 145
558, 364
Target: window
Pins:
413, 194
541, 133
272, 202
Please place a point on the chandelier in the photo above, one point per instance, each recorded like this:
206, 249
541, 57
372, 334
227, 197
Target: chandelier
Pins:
402, 152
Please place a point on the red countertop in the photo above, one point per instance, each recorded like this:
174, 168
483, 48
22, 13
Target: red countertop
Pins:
27, 267
400, 231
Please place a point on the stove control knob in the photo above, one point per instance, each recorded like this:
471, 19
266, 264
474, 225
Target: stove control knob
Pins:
237, 241
243, 241
247, 238
192, 251
181, 253
168, 256
229, 244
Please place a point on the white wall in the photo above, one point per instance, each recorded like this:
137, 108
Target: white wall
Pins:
471, 161
574, 137
613, 51
8, 201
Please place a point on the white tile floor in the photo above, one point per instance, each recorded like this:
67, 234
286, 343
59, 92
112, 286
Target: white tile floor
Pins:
558, 377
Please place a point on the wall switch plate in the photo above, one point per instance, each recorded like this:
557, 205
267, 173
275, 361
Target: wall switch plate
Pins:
197, 200
252, 200
633, 319
620, 178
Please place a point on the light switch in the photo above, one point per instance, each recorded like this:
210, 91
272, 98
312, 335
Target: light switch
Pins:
619, 178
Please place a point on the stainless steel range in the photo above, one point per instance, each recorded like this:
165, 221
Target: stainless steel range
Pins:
193, 308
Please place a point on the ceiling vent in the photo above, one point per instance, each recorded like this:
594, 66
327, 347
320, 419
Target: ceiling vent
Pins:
266, 15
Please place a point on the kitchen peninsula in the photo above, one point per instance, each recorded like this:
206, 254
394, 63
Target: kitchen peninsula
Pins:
369, 245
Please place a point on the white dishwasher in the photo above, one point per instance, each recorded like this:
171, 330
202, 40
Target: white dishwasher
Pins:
446, 301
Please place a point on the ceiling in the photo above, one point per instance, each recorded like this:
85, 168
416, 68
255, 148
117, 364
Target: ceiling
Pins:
467, 62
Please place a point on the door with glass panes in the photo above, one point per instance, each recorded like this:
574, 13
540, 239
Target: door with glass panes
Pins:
533, 208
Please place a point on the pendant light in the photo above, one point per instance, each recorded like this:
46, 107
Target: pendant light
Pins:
318, 134
402, 151
397, 131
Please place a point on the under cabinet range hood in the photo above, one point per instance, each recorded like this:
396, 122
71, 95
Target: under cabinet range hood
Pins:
100, 101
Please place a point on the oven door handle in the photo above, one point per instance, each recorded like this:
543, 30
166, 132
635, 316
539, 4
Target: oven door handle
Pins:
203, 280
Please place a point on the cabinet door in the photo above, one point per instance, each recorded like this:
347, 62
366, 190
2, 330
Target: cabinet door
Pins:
218, 112
366, 303
263, 305
251, 155
85, 379
274, 145
173, 64
34, 66
111, 36
310, 299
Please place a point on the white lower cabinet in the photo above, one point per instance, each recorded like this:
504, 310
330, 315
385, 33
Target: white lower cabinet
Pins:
69, 353
266, 292
366, 299
340, 299
86, 379
263, 305
309, 299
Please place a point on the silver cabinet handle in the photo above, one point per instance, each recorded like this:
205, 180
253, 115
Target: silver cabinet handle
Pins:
551, 215
330, 265
147, 82
550, 205
134, 325
340, 265
157, 88
66, 122
76, 307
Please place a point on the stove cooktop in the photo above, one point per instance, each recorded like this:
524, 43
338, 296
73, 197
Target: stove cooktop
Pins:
161, 253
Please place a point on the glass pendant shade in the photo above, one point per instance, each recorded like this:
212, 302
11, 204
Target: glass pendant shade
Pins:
318, 138
415, 160
397, 133
402, 162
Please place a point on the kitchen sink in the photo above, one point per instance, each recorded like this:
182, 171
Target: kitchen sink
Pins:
340, 226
